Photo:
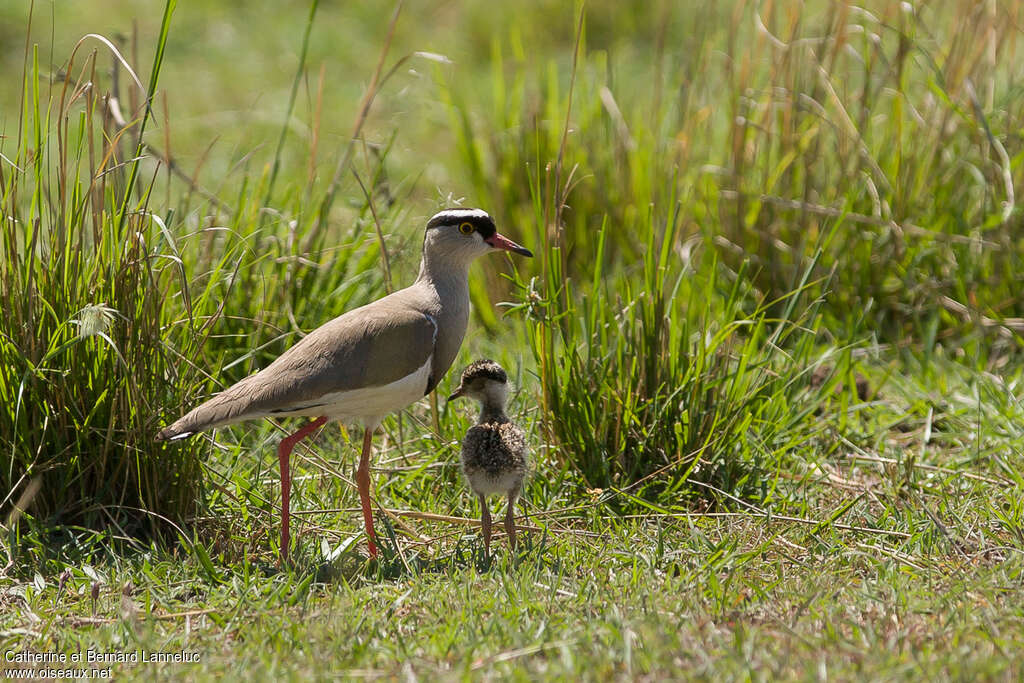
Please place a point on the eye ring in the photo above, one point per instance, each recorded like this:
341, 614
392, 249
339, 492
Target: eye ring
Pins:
466, 228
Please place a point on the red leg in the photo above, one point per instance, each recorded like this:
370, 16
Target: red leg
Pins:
363, 481
284, 451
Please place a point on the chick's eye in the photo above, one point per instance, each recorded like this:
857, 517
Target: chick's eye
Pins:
466, 228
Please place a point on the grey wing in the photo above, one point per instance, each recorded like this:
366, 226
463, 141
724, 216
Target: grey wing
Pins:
369, 346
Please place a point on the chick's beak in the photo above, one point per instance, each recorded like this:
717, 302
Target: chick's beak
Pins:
456, 394
499, 241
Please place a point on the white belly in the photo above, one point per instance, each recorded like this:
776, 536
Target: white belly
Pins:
484, 484
369, 405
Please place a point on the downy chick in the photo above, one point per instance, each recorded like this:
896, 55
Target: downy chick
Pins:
494, 449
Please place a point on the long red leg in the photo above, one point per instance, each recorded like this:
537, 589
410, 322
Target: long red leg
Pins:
284, 452
363, 481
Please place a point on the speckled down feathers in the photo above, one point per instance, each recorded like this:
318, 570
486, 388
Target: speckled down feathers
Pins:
494, 458
485, 369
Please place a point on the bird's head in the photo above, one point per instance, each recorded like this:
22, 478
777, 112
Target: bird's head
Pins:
461, 235
484, 381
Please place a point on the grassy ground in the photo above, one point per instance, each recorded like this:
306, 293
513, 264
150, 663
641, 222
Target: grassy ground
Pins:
768, 356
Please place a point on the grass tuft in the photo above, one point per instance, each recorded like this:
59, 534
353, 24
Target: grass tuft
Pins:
82, 357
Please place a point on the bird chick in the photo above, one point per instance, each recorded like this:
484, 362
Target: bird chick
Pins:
494, 449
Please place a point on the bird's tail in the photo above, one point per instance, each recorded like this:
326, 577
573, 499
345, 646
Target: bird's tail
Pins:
172, 432
219, 410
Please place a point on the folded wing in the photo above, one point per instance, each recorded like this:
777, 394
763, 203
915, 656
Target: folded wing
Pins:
367, 347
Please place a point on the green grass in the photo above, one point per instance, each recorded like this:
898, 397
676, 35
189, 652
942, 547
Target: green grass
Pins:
767, 357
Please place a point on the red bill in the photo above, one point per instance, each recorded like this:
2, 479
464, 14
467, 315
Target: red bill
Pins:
499, 241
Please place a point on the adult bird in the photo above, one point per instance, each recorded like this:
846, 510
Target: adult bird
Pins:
368, 362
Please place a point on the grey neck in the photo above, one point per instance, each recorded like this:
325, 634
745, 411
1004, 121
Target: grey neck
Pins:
444, 290
491, 412
443, 275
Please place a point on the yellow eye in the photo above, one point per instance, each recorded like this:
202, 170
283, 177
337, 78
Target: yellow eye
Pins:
466, 228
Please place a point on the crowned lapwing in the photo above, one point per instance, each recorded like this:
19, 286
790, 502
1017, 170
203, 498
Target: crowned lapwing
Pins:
368, 362
494, 449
